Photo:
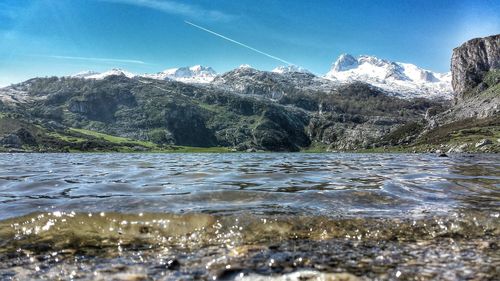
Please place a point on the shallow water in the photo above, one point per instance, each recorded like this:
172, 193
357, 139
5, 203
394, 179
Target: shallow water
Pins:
249, 216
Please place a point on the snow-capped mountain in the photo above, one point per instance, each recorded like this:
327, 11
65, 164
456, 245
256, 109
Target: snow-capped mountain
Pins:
96, 75
193, 74
399, 79
289, 69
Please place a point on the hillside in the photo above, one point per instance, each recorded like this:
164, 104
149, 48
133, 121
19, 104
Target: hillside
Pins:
243, 110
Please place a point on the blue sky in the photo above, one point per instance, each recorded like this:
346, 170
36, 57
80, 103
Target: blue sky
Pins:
61, 37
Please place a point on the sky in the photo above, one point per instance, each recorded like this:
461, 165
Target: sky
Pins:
61, 37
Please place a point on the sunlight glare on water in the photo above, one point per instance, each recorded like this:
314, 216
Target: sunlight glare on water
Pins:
248, 216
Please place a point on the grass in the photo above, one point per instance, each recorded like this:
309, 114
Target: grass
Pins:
492, 77
113, 139
210, 107
65, 137
152, 147
315, 147
492, 81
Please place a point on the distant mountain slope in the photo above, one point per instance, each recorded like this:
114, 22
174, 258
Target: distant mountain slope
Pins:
400, 79
273, 85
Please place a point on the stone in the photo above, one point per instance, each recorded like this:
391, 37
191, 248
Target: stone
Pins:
483, 142
302, 275
458, 149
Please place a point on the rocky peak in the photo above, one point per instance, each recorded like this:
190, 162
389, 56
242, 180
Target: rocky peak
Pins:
345, 62
404, 80
471, 61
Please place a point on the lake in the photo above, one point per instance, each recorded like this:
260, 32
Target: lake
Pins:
249, 216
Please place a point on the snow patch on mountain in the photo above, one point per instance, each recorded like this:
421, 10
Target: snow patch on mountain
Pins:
290, 69
243, 66
84, 74
98, 76
193, 74
399, 79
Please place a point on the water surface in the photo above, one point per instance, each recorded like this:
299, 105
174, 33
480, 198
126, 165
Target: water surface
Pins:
249, 216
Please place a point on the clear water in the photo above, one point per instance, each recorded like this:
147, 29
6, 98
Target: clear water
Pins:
249, 216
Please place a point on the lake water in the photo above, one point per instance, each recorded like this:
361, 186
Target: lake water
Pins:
249, 216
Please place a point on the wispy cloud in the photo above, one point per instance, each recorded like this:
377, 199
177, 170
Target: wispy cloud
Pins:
176, 8
104, 60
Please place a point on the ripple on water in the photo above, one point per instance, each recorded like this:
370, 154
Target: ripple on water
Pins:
249, 216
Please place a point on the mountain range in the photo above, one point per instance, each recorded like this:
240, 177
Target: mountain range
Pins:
362, 103
398, 79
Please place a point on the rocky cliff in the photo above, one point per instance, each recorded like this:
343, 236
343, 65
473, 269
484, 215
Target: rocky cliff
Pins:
473, 122
472, 61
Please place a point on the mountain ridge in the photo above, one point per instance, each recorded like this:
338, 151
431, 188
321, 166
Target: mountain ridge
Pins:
403, 80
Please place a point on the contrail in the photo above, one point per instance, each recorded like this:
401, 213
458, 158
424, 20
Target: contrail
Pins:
239, 43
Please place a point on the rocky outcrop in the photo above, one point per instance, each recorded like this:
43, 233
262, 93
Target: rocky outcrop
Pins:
475, 68
472, 123
472, 61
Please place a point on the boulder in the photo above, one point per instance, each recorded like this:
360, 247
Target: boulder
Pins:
483, 142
